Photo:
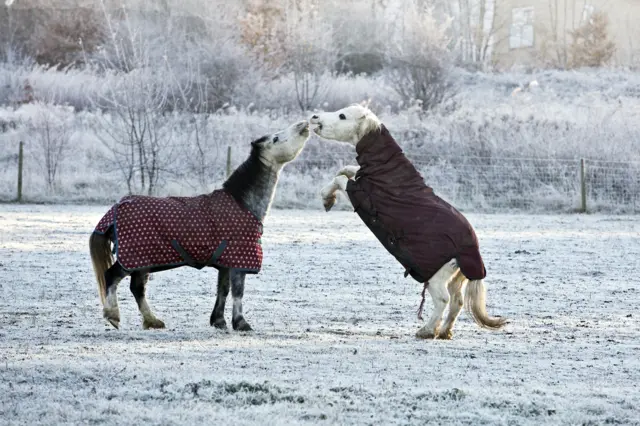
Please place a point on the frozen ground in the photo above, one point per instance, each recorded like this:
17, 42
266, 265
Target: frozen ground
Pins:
334, 324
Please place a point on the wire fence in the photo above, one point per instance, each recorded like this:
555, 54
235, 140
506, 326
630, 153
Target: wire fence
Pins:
537, 184
480, 184
487, 184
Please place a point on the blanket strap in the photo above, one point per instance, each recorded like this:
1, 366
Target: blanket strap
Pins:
424, 290
190, 261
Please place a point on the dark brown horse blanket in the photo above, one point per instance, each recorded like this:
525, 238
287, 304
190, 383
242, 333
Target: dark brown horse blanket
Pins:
162, 233
419, 228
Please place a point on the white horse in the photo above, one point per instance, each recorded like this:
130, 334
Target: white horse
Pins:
355, 125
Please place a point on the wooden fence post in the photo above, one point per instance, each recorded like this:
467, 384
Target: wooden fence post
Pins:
583, 187
20, 161
228, 161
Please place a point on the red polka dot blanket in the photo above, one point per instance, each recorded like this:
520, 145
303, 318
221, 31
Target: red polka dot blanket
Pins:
162, 233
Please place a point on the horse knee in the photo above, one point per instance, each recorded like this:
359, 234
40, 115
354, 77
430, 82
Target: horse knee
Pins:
341, 182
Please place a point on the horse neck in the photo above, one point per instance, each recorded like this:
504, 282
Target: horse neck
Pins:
253, 184
259, 196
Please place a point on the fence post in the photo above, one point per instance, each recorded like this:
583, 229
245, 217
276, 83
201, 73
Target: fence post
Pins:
20, 159
228, 161
583, 187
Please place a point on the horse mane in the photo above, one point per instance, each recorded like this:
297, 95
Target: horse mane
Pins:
370, 123
244, 178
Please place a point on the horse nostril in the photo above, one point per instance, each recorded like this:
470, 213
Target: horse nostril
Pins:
315, 117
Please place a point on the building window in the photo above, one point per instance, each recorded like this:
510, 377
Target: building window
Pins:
521, 33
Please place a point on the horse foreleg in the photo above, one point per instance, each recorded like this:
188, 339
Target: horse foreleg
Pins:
455, 305
348, 171
112, 277
328, 193
217, 316
438, 290
138, 288
237, 292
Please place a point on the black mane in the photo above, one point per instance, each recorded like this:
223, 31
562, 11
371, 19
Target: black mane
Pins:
247, 175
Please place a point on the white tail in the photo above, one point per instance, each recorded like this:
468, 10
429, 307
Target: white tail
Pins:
475, 303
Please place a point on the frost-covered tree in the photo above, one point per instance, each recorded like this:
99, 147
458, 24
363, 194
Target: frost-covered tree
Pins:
50, 127
135, 101
474, 30
290, 37
418, 59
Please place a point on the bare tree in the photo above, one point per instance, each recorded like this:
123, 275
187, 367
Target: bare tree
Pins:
309, 47
475, 30
263, 32
135, 125
288, 36
51, 127
418, 60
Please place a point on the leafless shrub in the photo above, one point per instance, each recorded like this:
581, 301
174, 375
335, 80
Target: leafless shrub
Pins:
418, 61
50, 126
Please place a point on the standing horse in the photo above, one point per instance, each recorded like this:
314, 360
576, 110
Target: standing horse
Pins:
221, 229
429, 237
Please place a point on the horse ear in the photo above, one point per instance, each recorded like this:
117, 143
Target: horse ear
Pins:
259, 142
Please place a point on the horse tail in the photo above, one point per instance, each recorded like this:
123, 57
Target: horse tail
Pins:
475, 303
102, 259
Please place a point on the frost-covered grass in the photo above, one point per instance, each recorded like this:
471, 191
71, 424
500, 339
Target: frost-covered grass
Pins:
334, 321
477, 150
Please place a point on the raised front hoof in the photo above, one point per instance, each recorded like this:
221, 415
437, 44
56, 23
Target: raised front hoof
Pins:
445, 335
113, 316
152, 323
425, 334
328, 203
241, 325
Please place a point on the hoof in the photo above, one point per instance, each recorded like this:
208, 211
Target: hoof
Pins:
220, 324
148, 323
445, 335
112, 315
115, 323
328, 203
425, 334
241, 325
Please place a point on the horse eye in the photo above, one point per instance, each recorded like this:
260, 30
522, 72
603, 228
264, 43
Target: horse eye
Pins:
275, 139
342, 117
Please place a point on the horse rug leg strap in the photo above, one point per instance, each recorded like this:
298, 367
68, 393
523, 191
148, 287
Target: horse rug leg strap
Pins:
189, 260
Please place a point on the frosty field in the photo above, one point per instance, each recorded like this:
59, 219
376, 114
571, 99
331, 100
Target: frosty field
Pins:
334, 324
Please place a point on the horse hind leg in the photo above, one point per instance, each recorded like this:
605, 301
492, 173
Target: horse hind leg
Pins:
217, 316
455, 305
112, 277
237, 292
138, 288
438, 290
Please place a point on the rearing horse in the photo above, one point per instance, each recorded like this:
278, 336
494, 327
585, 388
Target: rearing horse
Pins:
221, 229
429, 237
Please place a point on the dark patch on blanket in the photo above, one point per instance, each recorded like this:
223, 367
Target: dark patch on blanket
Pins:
416, 226
207, 230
